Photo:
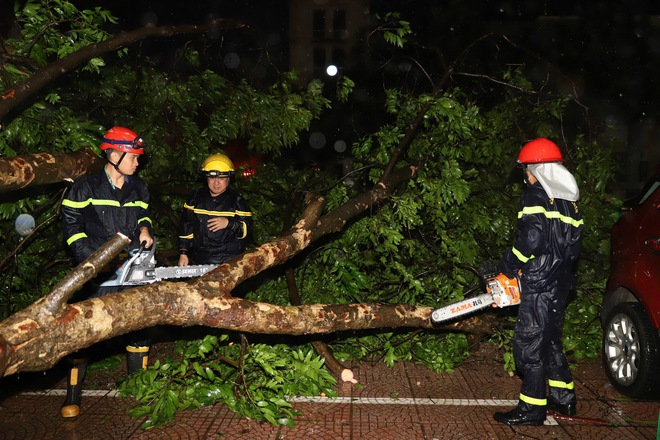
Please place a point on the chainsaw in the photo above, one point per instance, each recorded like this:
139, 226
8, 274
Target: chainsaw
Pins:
501, 291
141, 269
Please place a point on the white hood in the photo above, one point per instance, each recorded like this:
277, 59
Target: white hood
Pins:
556, 180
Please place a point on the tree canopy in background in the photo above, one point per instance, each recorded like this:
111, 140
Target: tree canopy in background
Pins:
461, 131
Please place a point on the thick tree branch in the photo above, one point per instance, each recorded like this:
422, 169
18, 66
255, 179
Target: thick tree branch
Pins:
31, 348
19, 172
336, 220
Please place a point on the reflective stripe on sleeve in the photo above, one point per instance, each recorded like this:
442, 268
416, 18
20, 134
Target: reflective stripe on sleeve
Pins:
137, 204
520, 256
76, 237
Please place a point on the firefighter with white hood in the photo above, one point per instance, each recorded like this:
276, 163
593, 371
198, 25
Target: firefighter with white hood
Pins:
544, 255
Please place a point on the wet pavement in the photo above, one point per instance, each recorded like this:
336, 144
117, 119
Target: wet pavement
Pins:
404, 402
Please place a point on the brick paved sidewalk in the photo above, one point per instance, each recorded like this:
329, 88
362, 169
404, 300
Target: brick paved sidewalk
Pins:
404, 402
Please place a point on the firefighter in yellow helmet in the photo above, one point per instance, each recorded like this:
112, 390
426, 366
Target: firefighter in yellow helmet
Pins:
216, 220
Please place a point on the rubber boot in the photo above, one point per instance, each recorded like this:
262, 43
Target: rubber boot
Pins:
137, 358
71, 407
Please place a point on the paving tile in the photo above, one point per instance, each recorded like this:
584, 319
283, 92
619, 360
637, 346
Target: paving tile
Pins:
440, 385
379, 430
387, 413
24, 426
494, 384
485, 430
585, 432
239, 428
315, 430
325, 413
379, 380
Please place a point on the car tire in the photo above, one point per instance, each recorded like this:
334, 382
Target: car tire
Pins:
630, 352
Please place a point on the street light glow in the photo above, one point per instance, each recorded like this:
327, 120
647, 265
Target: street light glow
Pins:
331, 70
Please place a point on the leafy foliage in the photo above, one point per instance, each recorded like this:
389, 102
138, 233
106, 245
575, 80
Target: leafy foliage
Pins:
394, 29
205, 374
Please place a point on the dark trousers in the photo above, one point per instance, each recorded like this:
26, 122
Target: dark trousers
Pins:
539, 352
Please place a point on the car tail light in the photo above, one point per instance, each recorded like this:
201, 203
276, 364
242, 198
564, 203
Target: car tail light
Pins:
653, 244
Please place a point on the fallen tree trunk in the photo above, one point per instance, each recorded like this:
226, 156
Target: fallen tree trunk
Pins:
182, 304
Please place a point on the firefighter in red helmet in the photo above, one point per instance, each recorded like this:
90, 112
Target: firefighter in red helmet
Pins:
95, 208
544, 255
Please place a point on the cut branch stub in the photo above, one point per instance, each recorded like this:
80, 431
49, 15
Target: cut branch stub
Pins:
88, 269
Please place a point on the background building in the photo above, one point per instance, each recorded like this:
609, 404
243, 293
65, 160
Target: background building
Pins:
323, 33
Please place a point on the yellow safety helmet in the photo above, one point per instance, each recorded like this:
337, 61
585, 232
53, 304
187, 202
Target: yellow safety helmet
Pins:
218, 165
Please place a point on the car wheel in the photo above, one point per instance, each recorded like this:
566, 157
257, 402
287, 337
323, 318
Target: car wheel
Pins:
630, 351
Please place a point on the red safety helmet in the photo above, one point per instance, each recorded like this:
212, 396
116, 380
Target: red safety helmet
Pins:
540, 150
123, 140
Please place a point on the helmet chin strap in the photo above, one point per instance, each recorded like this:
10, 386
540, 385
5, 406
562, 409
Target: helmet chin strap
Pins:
116, 165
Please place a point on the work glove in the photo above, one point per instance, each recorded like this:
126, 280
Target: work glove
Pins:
488, 269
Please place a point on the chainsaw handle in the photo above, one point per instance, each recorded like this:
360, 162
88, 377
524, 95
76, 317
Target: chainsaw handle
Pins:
152, 249
127, 266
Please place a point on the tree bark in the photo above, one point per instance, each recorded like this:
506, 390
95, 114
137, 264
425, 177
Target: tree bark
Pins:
29, 346
20, 172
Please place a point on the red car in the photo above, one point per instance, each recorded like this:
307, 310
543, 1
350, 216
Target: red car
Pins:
630, 313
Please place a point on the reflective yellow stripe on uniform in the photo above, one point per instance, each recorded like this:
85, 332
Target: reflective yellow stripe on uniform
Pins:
187, 237
217, 213
533, 400
520, 256
75, 237
145, 219
560, 384
102, 202
138, 204
550, 214
244, 234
